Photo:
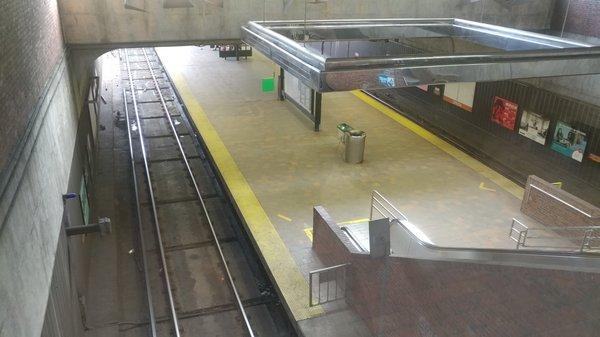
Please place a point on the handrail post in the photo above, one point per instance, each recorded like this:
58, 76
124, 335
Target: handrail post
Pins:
372, 203
586, 239
310, 292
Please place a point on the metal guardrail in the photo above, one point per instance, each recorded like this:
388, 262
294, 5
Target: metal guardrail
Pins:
583, 238
330, 284
385, 208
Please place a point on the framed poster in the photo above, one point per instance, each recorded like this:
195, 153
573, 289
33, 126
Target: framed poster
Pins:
569, 142
460, 94
534, 127
504, 112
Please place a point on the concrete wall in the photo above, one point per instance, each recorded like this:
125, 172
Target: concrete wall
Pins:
581, 24
38, 163
32, 222
399, 297
98, 22
31, 44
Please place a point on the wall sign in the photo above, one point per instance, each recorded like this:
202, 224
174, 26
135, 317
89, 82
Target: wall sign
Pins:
504, 112
569, 142
534, 127
460, 94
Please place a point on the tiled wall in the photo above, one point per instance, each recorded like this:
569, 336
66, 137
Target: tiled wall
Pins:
30, 47
409, 297
582, 18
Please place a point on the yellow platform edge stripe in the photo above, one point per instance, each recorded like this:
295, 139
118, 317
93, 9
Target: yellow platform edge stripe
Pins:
500, 180
280, 263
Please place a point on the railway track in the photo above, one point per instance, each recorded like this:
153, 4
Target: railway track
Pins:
201, 276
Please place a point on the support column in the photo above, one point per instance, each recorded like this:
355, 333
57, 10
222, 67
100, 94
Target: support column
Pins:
317, 110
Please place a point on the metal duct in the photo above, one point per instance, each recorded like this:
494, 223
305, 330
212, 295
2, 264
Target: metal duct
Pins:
340, 55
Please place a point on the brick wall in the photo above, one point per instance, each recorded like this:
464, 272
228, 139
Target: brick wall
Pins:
30, 47
409, 297
582, 18
553, 213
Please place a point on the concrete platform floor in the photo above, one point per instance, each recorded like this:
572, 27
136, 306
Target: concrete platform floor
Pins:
454, 199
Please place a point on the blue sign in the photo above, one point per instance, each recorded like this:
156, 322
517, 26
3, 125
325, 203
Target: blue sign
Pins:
387, 80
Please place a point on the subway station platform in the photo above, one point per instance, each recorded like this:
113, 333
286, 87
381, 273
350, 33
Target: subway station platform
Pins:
276, 169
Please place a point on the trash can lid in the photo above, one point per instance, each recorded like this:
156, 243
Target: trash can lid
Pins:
357, 133
344, 127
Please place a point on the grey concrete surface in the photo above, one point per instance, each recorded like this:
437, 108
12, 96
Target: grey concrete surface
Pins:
30, 231
106, 22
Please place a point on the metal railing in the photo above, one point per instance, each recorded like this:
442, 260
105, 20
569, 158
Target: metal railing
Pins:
580, 238
385, 208
327, 284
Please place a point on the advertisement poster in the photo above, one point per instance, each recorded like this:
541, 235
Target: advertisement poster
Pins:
386, 79
460, 94
534, 127
504, 112
569, 142
594, 157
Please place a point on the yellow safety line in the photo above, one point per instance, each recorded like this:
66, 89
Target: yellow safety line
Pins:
459, 155
482, 187
309, 233
280, 263
283, 217
351, 222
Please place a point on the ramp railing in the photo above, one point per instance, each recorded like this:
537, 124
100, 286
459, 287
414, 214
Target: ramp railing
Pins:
327, 284
382, 206
580, 238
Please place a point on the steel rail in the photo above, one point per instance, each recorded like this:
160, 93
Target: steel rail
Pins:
199, 194
140, 229
173, 313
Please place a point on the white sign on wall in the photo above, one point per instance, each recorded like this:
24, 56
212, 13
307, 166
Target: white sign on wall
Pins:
460, 94
297, 91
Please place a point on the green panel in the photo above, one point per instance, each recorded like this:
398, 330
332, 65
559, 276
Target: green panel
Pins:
268, 84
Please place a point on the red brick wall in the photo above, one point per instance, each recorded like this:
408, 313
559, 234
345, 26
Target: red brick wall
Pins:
410, 297
30, 47
329, 242
583, 18
552, 212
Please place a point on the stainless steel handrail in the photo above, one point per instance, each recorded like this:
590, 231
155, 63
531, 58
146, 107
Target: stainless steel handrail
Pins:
353, 240
197, 189
151, 314
524, 233
172, 311
497, 255
563, 202
383, 202
474, 251
335, 269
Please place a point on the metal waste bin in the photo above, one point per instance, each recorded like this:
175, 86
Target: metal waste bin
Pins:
355, 146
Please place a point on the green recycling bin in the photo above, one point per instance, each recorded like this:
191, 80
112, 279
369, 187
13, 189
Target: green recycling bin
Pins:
342, 129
